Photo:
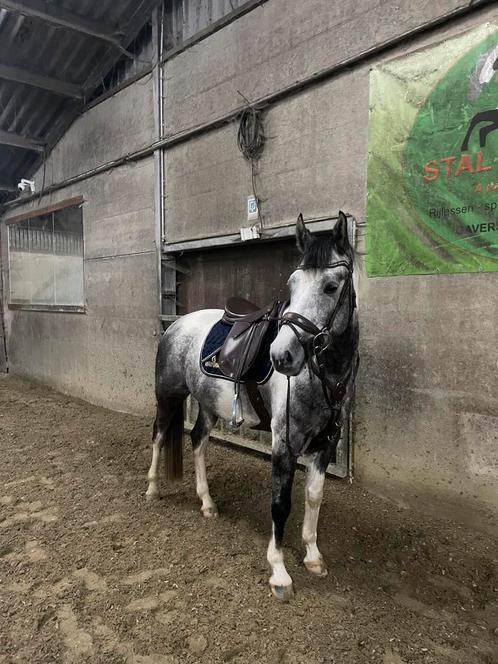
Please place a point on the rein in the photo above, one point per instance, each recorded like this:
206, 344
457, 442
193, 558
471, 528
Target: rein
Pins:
315, 348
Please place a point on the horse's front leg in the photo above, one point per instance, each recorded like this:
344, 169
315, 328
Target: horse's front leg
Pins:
283, 469
315, 478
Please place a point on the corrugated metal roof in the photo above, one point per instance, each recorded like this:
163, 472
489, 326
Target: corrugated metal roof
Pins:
61, 53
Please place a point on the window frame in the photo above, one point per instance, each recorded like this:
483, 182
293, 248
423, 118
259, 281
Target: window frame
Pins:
76, 201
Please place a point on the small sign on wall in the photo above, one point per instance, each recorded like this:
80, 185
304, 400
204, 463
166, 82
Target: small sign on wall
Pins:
252, 208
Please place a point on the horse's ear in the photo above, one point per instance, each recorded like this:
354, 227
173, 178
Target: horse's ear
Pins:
341, 231
303, 236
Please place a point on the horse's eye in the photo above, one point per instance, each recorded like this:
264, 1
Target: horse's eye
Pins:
330, 289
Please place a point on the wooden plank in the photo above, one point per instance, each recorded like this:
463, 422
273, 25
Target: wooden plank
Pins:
49, 308
276, 233
219, 273
169, 318
225, 438
57, 15
11, 188
28, 77
68, 202
20, 141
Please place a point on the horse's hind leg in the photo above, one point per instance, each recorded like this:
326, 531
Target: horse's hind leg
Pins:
200, 438
152, 477
167, 412
315, 478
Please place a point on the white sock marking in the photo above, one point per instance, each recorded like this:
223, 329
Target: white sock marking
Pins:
280, 576
202, 487
153, 489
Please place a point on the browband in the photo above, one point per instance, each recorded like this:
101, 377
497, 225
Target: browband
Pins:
345, 264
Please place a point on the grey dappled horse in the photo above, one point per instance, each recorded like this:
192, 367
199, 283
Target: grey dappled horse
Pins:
315, 356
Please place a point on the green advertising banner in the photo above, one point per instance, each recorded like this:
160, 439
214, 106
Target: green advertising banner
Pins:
432, 203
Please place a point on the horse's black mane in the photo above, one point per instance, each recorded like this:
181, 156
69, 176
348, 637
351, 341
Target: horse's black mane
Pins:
318, 252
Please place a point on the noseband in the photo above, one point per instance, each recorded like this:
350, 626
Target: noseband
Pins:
315, 349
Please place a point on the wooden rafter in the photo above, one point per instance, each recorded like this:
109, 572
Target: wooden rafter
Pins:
9, 188
20, 75
19, 141
57, 15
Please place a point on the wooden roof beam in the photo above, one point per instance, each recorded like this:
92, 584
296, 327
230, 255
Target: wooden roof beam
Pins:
9, 188
19, 141
57, 15
55, 85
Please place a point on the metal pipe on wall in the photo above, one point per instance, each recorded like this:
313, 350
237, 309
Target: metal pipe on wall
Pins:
4, 360
157, 39
166, 272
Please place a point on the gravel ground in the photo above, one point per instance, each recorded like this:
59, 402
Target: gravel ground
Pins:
91, 572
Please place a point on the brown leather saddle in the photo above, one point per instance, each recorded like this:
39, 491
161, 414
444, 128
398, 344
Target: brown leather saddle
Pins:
241, 349
243, 343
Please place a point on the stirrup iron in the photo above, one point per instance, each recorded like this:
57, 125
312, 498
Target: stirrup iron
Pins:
237, 414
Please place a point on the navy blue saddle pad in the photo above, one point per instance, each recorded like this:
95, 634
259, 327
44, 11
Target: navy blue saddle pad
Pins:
259, 372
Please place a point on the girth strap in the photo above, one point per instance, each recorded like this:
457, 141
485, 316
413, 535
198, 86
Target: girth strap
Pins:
259, 406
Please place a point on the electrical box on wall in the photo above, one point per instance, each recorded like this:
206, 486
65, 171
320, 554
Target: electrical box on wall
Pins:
249, 233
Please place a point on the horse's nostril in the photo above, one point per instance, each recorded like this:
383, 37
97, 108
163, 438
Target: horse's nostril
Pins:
287, 358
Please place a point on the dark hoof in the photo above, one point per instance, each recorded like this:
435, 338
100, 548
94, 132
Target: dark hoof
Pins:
283, 593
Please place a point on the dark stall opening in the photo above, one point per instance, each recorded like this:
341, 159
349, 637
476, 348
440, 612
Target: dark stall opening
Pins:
257, 272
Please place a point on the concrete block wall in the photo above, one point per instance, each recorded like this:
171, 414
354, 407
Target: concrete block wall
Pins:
119, 125
425, 420
315, 158
314, 161
107, 354
278, 43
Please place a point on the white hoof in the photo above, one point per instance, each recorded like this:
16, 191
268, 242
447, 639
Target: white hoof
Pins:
282, 593
316, 567
210, 512
152, 495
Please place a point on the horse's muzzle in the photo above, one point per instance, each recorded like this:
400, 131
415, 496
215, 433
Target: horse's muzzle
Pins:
285, 362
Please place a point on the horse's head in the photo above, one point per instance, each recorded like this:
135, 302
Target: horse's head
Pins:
321, 293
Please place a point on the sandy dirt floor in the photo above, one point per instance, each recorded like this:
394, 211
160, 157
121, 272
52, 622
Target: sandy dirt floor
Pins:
91, 572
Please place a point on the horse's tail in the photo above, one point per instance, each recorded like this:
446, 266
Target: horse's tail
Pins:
173, 440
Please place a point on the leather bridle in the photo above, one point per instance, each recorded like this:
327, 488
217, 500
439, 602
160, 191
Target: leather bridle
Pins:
315, 348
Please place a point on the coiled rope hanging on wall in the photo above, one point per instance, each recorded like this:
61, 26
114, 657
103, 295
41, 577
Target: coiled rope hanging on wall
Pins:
251, 134
251, 141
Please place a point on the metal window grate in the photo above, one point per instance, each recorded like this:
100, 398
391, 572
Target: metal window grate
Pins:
60, 243
46, 260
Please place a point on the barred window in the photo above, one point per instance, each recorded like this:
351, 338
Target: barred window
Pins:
46, 260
